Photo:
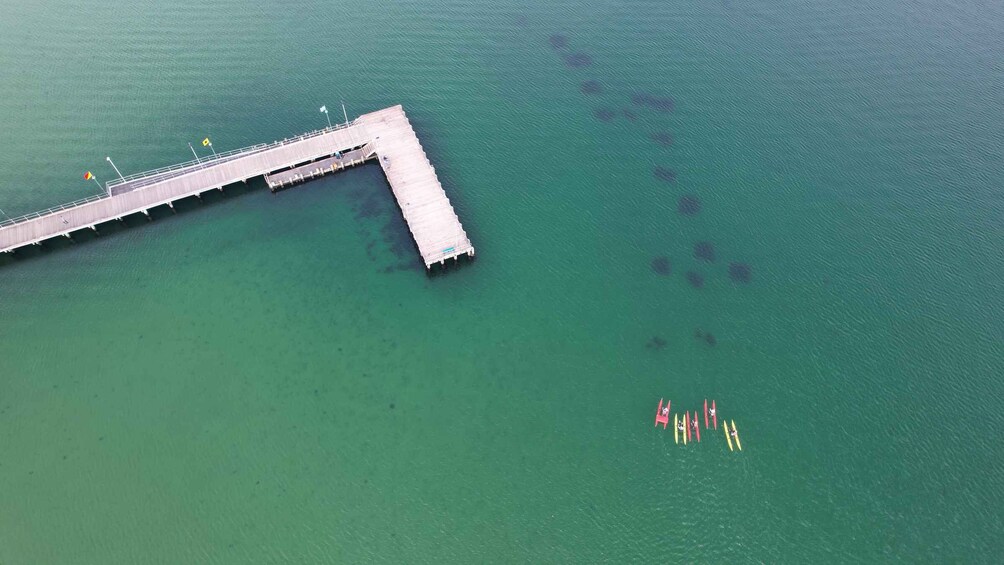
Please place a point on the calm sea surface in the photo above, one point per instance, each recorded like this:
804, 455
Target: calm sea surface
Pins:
794, 208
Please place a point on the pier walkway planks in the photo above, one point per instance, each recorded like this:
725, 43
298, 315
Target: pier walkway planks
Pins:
384, 134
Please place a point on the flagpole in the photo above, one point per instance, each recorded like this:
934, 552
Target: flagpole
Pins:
95, 179
5, 215
345, 114
109, 159
213, 150
325, 110
197, 160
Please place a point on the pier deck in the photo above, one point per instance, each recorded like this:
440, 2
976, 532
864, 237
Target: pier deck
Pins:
433, 223
384, 134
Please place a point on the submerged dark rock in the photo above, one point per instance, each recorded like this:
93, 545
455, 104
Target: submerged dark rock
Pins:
664, 174
557, 41
578, 60
663, 138
688, 205
397, 238
662, 266
695, 279
369, 206
706, 337
740, 272
629, 115
704, 251
604, 114
660, 103
655, 343
591, 87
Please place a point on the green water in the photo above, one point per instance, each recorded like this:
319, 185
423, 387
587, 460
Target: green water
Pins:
273, 378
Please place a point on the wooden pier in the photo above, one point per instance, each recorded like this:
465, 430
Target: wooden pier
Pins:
385, 135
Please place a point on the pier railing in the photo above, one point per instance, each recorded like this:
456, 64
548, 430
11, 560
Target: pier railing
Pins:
145, 178
52, 210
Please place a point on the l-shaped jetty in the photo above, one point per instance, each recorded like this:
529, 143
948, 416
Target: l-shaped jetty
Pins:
385, 135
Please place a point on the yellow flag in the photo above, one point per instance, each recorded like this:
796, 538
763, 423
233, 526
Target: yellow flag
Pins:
205, 142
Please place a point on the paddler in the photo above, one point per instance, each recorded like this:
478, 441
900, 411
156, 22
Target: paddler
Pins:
732, 432
680, 427
711, 411
693, 424
665, 410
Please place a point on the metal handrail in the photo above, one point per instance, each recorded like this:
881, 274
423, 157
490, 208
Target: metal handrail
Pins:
158, 174
196, 165
47, 211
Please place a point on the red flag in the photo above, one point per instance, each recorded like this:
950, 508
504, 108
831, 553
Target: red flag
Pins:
88, 175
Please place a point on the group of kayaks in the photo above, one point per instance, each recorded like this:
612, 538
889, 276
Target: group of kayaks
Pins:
688, 426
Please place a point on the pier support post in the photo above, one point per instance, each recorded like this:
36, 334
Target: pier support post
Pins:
171, 206
147, 214
95, 229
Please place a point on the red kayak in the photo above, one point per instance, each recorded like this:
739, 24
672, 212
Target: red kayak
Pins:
705, 413
686, 424
697, 426
661, 418
715, 414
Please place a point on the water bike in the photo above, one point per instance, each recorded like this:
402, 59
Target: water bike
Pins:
660, 418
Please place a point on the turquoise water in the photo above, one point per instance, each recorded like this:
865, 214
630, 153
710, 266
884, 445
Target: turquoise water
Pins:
273, 378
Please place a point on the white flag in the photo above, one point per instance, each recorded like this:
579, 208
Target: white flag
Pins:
324, 109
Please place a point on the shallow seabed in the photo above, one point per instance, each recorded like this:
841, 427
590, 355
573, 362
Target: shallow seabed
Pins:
793, 208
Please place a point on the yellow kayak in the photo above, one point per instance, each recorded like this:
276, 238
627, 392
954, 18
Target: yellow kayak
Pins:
727, 438
738, 443
676, 428
684, 430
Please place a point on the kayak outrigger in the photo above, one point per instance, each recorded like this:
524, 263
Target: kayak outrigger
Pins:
735, 435
676, 428
705, 413
714, 414
697, 426
662, 414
